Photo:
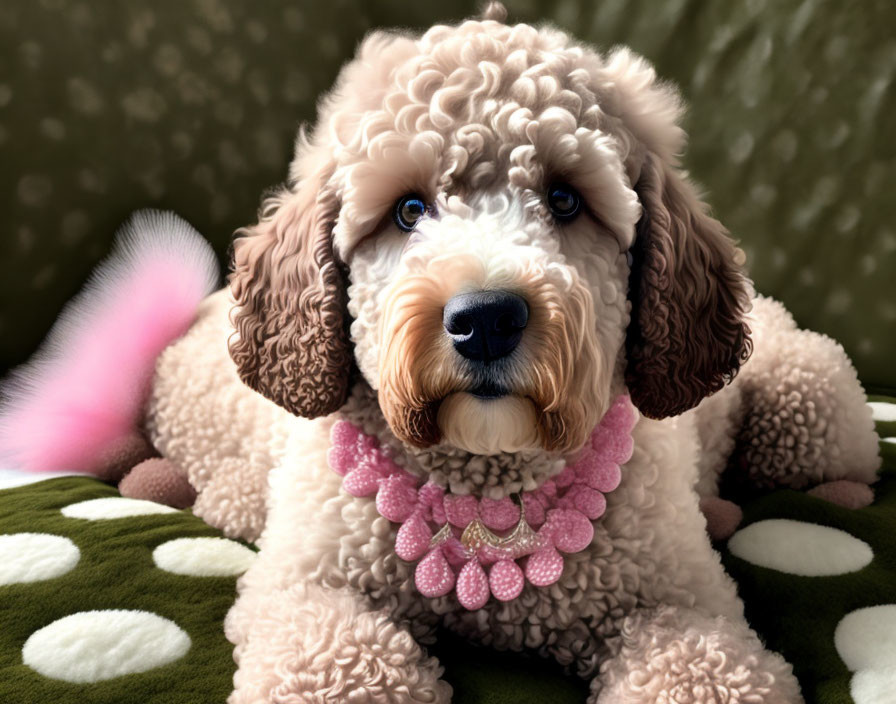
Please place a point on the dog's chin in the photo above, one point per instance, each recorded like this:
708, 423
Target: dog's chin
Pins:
488, 425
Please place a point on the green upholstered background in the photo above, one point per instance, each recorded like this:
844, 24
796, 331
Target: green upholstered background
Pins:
192, 105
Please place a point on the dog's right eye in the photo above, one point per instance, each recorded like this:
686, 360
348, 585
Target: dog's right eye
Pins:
408, 211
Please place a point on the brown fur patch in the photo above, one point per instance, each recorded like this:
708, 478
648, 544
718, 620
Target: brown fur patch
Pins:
291, 342
689, 297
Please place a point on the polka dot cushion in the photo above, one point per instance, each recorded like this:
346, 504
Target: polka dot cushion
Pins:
108, 600
819, 582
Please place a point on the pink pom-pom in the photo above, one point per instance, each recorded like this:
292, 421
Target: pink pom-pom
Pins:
599, 473
547, 491
613, 437
569, 530
587, 500
413, 538
396, 499
362, 481
434, 576
455, 552
379, 463
461, 510
472, 586
544, 567
506, 580
534, 510
430, 496
343, 452
566, 477
499, 515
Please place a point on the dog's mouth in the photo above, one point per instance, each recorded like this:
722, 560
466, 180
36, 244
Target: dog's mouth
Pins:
489, 390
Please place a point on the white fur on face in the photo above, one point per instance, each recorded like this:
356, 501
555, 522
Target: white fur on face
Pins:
574, 279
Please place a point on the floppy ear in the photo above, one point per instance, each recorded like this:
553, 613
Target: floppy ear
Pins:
290, 341
687, 336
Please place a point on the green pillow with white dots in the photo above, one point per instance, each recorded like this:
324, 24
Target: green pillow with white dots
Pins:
819, 582
146, 589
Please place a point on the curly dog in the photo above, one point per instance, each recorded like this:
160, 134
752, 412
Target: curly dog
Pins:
502, 354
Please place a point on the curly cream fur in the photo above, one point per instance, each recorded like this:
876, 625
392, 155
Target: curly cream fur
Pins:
675, 655
479, 118
796, 416
224, 437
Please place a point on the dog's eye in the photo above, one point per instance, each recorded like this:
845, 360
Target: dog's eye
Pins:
408, 211
564, 201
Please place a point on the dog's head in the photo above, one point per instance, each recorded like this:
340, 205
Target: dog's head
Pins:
489, 222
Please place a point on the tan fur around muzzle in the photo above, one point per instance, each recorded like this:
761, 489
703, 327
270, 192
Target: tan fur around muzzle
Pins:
559, 370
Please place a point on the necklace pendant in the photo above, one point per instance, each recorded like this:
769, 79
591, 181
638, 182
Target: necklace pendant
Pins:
443, 534
476, 536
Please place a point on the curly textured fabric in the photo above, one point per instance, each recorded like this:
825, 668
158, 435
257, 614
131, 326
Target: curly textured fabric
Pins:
689, 298
222, 435
291, 343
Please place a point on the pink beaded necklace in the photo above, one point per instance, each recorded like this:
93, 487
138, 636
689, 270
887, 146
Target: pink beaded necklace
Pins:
456, 537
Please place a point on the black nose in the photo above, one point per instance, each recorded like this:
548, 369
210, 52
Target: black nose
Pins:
485, 325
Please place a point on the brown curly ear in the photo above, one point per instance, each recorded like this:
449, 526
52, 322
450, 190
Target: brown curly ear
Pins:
290, 341
687, 336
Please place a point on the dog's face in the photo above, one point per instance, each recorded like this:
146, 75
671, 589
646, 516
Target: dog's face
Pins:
489, 224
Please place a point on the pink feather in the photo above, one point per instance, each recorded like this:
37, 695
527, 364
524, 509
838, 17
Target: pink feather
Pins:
86, 386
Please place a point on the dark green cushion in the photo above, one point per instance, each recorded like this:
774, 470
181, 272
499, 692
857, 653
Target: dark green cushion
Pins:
193, 106
115, 571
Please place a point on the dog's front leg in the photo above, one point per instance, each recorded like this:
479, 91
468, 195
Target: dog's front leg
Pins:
677, 654
313, 644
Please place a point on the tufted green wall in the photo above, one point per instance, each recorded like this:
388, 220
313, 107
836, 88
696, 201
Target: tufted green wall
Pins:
192, 105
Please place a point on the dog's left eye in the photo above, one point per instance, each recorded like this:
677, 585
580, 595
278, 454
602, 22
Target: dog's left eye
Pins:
408, 211
564, 201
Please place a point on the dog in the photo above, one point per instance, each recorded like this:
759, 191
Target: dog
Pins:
480, 364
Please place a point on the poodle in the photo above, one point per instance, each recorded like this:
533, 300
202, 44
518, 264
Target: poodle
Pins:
479, 365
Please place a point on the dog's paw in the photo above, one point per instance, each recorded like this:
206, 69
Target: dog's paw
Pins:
844, 492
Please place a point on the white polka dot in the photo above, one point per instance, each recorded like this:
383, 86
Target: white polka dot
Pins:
144, 104
740, 148
34, 189
890, 440
883, 411
203, 557
91, 646
873, 686
805, 549
32, 557
866, 642
83, 96
866, 638
114, 507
